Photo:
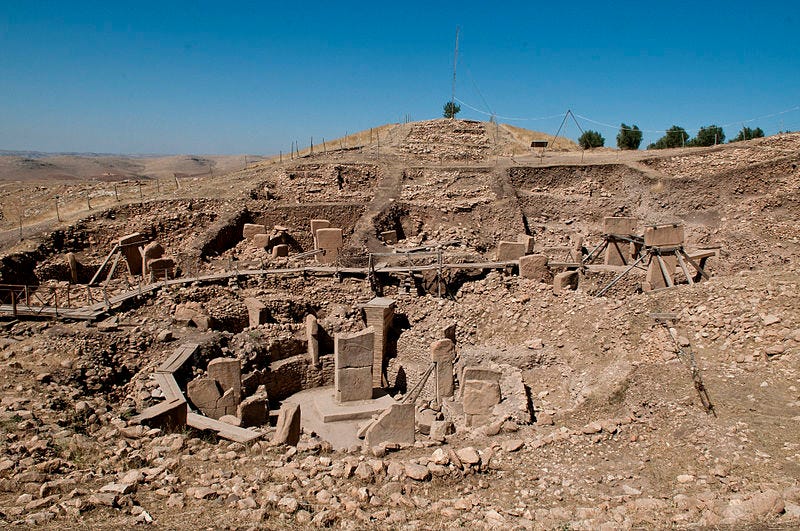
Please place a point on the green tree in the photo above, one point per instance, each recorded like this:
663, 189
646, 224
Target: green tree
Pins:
591, 139
451, 109
746, 134
629, 137
709, 135
675, 137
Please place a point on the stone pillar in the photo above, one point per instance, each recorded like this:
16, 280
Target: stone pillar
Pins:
480, 393
528, 241
129, 246
443, 354
151, 251
317, 224
330, 241
287, 430
353, 365
72, 262
228, 373
449, 332
510, 250
312, 335
666, 239
251, 229
534, 266
256, 311
380, 313
618, 250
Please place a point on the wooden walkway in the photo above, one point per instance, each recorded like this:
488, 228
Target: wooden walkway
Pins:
93, 311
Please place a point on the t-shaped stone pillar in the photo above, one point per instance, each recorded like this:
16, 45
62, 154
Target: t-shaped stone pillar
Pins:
443, 354
379, 312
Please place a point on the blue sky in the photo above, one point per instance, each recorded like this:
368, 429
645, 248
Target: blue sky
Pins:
216, 77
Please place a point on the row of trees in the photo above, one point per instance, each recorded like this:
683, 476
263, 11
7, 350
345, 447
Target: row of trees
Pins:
630, 137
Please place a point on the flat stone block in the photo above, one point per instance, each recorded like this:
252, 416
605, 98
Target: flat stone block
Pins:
317, 224
204, 393
567, 280
161, 267
251, 229
510, 251
664, 236
253, 411
287, 430
280, 250
389, 236
330, 241
354, 350
480, 396
534, 267
621, 226
260, 240
395, 425
353, 384
332, 411
479, 373
528, 241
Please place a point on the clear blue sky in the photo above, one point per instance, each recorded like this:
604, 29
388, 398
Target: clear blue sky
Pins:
228, 77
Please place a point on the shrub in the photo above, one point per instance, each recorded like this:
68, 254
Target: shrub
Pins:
591, 139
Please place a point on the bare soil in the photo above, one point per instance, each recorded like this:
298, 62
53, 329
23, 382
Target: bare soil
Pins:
620, 438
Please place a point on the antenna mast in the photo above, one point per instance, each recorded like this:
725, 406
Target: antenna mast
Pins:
455, 62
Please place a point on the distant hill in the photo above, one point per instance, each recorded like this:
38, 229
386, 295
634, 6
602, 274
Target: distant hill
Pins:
36, 165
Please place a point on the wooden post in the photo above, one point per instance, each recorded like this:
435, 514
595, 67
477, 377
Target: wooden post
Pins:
88, 201
177, 183
27, 296
58, 214
116, 194
13, 302
280, 156
312, 145
439, 279
158, 186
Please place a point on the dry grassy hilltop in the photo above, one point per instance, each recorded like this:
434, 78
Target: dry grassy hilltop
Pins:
597, 422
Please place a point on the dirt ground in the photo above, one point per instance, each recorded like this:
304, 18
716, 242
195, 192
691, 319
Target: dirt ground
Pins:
618, 438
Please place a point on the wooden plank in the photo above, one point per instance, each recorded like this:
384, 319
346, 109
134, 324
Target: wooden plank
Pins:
167, 414
176, 360
103, 265
702, 254
698, 267
684, 269
226, 431
169, 386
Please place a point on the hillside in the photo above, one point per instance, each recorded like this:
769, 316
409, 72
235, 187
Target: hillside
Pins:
599, 424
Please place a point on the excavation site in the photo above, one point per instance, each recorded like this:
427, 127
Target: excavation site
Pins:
428, 325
